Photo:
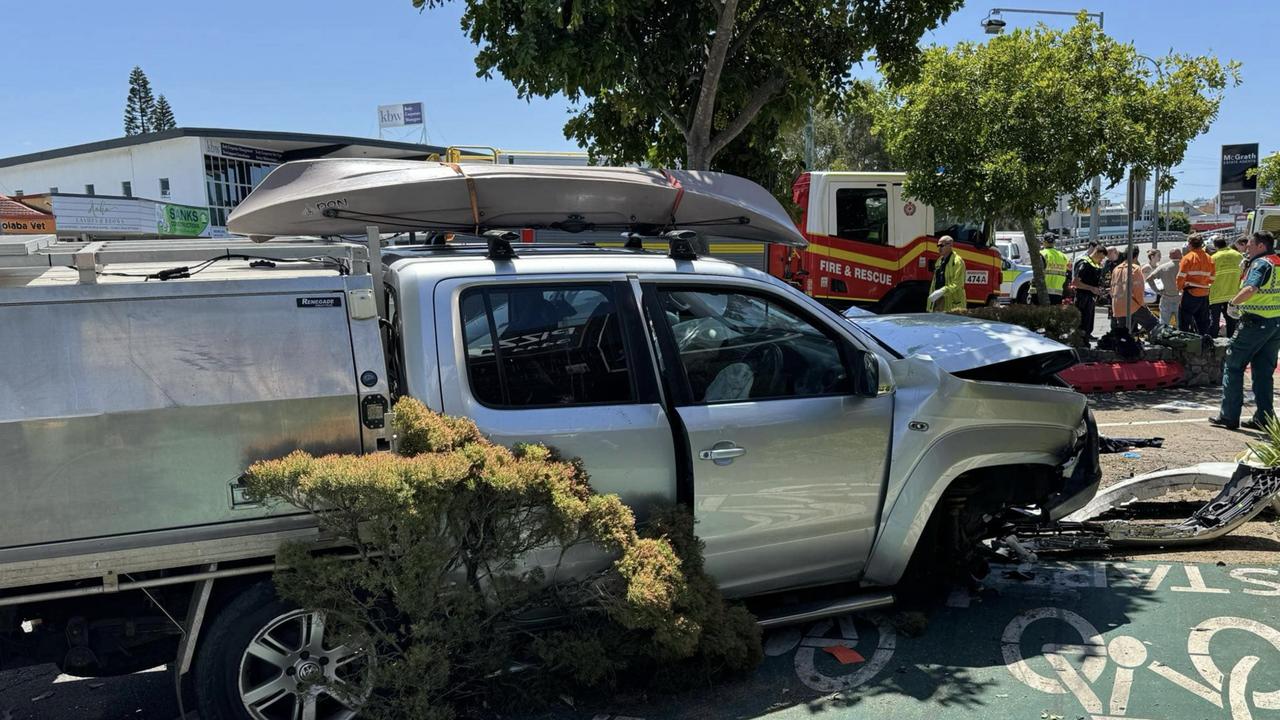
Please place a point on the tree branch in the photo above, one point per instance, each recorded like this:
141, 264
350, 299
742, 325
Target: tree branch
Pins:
754, 104
704, 111
675, 120
745, 33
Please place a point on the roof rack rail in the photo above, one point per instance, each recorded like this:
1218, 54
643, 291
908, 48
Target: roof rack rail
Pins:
89, 257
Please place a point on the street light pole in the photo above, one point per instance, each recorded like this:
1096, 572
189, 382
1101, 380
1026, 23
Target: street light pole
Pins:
994, 25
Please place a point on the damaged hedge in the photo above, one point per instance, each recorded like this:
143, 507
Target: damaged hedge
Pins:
460, 589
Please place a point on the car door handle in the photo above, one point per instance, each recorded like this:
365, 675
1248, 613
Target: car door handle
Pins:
721, 452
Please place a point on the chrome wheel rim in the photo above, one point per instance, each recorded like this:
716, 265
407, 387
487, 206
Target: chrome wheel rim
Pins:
292, 671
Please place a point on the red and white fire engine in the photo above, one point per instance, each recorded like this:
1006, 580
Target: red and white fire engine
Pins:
871, 245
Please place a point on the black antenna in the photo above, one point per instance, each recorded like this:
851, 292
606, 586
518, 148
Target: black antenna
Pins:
681, 244
499, 242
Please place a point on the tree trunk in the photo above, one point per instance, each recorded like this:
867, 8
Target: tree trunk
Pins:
1037, 262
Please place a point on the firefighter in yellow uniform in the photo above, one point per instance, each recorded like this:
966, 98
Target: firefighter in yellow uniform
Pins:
948, 279
1056, 264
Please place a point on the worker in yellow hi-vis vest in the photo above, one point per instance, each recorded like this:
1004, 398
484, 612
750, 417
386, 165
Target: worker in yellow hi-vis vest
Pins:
1226, 283
946, 291
1056, 268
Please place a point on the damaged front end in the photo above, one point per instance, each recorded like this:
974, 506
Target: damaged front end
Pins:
1081, 472
1242, 492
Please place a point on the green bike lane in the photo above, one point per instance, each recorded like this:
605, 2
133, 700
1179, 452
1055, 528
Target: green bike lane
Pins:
1138, 640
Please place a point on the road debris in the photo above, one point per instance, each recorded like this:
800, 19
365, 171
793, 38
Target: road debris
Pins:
1243, 491
845, 655
1107, 445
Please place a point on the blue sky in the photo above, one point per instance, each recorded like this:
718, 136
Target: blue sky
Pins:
324, 65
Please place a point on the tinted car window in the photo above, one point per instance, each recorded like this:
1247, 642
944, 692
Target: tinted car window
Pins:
735, 346
536, 346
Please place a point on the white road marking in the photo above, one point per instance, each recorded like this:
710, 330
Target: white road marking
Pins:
1094, 656
1157, 577
1180, 405
1152, 422
1184, 682
1197, 583
1235, 688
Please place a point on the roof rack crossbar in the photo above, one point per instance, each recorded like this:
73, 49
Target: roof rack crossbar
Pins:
499, 244
682, 244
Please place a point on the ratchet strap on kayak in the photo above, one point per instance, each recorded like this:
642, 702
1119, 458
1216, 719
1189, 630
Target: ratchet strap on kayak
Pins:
471, 193
671, 180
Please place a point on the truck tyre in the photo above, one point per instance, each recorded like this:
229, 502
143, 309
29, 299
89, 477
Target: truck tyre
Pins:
909, 297
257, 657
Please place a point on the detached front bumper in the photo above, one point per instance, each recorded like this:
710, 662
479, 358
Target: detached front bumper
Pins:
1082, 473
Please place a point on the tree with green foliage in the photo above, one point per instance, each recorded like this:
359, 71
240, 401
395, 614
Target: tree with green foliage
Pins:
162, 118
1268, 176
1002, 129
662, 82
842, 136
139, 107
1178, 222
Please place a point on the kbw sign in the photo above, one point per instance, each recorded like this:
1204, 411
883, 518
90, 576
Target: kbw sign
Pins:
399, 115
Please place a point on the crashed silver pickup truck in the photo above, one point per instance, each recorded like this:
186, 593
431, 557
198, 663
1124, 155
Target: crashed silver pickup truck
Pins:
815, 453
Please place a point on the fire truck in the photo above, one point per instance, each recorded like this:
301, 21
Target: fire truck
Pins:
871, 245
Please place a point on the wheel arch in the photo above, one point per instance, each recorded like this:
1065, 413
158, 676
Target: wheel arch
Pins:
904, 521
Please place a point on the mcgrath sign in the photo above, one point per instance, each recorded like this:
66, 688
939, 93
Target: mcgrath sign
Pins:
1235, 186
399, 115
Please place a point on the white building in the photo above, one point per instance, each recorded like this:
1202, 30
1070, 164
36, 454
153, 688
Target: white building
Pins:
200, 167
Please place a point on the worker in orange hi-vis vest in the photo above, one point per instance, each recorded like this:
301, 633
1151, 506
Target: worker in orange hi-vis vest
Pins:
1195, 277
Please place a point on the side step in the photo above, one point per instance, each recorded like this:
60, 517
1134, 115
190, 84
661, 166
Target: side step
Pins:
807, 612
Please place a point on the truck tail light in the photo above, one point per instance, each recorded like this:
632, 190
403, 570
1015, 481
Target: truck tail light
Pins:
373, 411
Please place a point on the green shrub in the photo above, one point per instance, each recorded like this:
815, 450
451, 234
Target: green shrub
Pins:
438, 593
1056, 322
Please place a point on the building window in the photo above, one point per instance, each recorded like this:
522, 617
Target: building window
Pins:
126, 188
164, 187
53, 189
228, 182
88, 189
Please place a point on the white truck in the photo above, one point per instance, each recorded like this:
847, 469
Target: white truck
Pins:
139, 380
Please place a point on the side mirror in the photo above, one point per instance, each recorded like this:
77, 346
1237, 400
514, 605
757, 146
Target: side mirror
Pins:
1005, 264
866, 373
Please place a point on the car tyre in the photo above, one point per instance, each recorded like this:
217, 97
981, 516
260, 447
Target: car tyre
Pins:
224, 660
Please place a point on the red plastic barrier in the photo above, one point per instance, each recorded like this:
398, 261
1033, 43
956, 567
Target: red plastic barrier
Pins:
1102, 377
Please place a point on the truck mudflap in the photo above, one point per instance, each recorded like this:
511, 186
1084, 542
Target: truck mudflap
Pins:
1243, 491
1082, 471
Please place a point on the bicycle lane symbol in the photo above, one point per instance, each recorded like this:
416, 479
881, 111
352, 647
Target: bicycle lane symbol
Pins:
1077, 667
810, 666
